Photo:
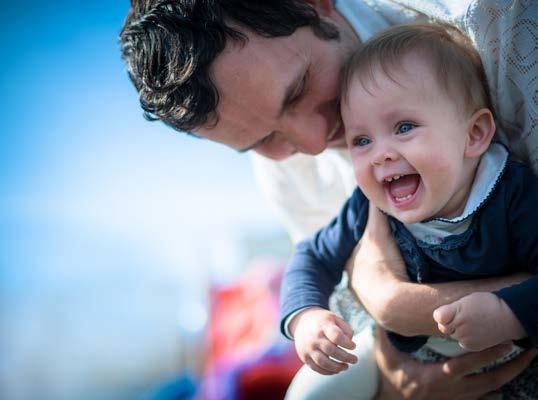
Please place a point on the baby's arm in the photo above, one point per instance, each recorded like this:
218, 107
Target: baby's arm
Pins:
320, 339
313, 271
481, 320
478, 321
378, 276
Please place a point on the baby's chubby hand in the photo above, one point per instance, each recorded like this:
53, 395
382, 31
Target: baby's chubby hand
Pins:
478, 321
320, 339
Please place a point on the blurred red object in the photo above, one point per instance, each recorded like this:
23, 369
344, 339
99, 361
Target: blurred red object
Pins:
248, 358
269, 380
244, 315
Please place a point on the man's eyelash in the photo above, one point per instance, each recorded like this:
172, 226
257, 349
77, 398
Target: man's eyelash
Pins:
301, 91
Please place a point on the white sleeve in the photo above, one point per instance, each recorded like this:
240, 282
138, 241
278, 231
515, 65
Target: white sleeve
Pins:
287, 322
305, 192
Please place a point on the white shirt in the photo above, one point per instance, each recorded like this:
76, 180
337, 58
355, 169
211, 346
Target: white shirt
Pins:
306, 192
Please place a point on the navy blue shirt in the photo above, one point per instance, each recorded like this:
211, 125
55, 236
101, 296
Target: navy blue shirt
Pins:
502, 239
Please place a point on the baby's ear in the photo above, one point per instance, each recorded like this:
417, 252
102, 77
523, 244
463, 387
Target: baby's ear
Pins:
481, 130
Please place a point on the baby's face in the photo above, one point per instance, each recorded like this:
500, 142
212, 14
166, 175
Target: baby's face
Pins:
407, 140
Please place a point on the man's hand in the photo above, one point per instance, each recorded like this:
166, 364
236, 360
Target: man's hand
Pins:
402, 377
379, 278
479, 321
319, 337
376, 268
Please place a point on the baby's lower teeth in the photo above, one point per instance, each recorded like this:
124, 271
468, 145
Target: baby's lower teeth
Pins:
403, 198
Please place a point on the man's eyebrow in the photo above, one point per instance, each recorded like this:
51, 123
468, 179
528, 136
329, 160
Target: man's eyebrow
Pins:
291, 91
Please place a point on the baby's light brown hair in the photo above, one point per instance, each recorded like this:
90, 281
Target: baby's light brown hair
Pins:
448, 51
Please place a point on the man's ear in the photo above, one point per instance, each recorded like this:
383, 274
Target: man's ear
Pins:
324, 7
481, 129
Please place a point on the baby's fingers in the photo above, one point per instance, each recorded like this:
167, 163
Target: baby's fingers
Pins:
335, 352
321, 363
448, 330
340, 334
444, 315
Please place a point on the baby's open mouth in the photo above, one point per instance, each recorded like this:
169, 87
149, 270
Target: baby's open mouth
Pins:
401, 188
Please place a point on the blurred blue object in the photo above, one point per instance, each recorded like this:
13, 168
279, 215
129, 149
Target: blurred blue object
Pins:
182, 388
109, 232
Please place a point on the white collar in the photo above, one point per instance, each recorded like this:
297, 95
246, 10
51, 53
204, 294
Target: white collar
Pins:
488, 174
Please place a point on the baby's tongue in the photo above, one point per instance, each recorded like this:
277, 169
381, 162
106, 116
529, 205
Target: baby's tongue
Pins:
404, 186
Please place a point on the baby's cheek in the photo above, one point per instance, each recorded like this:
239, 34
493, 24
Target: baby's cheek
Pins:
438, 168
372, 189
364, 180
440, 161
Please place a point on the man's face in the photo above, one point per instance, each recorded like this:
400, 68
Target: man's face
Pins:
279, 96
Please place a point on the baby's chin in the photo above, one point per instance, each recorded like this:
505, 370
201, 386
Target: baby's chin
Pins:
409, 221
405, 218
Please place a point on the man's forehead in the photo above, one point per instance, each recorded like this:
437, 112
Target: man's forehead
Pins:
251, 80
235, 125
244, 61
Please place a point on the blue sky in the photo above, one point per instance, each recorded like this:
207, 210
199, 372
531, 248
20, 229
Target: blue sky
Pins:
109, 224
75, 148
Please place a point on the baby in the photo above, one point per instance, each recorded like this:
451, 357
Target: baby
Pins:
419, 127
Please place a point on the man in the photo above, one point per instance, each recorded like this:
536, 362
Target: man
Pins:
263, 76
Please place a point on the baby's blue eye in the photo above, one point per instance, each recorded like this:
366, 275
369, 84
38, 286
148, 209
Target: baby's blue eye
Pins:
361, 141
405, 127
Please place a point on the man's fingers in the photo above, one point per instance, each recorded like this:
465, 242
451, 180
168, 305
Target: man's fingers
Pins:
493, 380
468, 363
387, 354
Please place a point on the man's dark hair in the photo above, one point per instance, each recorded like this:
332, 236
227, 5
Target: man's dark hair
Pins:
169, 45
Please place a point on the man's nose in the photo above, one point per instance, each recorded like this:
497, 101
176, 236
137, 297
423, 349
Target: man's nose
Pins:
309, 135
